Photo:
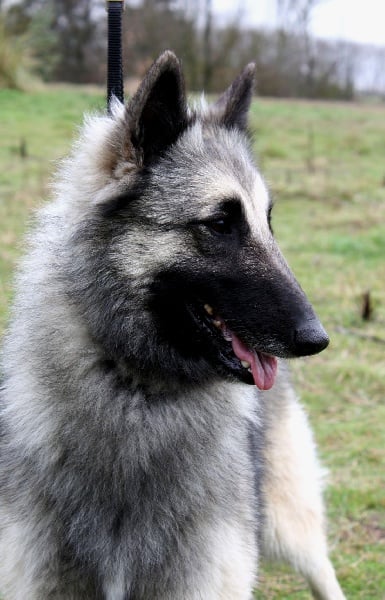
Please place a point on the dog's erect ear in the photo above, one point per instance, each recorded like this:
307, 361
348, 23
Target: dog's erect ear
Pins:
232, 108
157, 113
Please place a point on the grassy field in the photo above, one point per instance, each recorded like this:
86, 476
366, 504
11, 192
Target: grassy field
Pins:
326, 169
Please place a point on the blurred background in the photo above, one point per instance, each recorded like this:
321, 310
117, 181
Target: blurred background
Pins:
303, 48
318, 121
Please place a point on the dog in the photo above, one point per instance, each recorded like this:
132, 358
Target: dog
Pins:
152, 447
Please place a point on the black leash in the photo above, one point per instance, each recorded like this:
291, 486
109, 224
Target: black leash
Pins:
114, 54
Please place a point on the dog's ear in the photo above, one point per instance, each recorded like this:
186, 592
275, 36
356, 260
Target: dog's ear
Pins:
157, 113
232, 108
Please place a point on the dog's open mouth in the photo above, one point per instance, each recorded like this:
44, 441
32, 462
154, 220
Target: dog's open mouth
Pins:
247, 364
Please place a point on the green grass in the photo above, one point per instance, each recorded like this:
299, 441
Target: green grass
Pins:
35, 132
325, 167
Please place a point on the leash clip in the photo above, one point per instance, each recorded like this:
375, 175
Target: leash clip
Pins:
122, 2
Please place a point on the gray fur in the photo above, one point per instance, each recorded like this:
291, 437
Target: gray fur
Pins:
130, 468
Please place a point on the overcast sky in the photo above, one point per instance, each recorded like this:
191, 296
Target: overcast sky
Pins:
356, 20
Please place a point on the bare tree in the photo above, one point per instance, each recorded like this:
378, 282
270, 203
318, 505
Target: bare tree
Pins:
207, 46
295, 16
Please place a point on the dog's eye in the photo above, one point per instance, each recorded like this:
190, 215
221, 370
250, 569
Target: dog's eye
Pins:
223, 226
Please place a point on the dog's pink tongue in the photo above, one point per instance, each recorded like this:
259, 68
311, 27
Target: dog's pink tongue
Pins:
263, 366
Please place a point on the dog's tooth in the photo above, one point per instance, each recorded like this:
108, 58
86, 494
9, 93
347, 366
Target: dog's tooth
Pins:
209, 309
245, 364
227, 334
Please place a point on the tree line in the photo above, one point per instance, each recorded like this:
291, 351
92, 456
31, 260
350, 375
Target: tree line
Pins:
66, 41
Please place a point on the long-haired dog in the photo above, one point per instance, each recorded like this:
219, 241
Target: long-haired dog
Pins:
142, 457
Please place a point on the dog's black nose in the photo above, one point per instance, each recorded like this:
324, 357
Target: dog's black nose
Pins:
310, 338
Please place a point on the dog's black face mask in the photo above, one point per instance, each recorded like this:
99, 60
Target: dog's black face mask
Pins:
232, 298
238, 314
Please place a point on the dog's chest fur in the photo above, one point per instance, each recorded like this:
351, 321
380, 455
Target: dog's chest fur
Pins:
168, 505
201, 508
192, 488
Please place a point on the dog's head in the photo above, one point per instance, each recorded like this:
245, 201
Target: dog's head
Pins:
176, 266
